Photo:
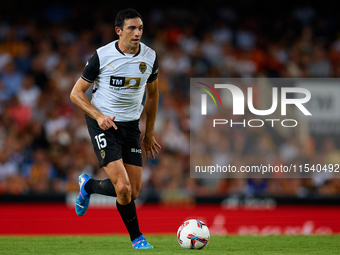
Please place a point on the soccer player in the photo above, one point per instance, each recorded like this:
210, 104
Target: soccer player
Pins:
121, 72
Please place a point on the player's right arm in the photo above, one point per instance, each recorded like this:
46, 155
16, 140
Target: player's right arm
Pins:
79, 98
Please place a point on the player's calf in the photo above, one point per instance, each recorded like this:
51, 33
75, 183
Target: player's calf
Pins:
135, 194
102, 187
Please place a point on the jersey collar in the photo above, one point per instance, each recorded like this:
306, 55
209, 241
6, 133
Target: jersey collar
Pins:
116, 44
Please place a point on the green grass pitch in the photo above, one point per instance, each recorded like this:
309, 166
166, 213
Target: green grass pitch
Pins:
233, 245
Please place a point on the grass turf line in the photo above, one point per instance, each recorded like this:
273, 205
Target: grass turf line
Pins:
235, 245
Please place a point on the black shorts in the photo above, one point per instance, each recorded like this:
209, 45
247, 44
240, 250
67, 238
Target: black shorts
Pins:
110, 145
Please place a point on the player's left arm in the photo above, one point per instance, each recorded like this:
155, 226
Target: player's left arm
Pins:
151, 105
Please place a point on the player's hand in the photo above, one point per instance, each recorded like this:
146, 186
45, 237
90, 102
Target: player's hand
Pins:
106, 122
150, 146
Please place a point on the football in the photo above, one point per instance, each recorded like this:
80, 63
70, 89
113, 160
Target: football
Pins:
193, 234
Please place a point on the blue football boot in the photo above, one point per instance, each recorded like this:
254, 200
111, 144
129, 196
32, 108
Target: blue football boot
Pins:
83, 199
141, 243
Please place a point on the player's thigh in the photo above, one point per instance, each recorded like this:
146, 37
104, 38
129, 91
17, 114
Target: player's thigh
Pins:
119, 177
135, 176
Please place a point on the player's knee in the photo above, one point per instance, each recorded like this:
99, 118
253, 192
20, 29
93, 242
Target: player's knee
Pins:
123, 190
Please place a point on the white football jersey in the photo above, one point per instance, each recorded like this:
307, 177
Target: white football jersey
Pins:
120, 79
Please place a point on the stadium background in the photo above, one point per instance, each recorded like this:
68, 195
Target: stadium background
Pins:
44, 144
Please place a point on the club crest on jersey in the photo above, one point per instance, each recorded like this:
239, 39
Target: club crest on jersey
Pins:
142, 67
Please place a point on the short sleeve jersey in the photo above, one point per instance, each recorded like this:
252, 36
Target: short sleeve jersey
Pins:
120, 79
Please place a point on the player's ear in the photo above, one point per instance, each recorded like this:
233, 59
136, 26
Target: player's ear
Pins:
118, 31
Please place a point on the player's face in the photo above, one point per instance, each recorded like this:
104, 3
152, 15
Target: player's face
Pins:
131, 33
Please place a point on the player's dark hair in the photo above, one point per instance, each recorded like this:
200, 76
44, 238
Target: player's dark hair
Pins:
126, 14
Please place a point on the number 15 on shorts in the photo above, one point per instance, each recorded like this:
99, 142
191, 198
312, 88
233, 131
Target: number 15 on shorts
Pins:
101, 141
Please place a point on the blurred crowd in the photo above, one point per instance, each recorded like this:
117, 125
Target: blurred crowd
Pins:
44, 142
